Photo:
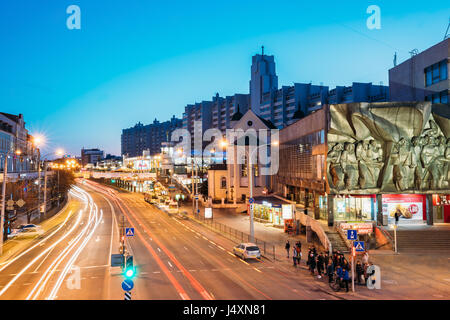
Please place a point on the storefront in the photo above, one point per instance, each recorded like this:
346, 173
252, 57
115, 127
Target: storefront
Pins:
441, 208
410, 207
275, 211
354, 207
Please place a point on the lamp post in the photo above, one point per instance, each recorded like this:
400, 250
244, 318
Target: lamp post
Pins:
5, 177
250, 182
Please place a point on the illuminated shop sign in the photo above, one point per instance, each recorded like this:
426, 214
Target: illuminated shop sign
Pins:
287, 211
363, 228
409, 207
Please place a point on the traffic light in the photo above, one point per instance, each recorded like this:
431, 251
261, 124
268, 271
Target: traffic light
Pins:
130, 271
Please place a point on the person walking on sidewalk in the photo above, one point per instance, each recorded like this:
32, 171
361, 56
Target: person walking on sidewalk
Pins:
330, 271
345, 277
312, 262
294, 256
359, 271
365, 259
299, 254
287, 247
320, 262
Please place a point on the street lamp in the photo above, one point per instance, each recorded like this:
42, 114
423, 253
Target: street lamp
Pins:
5, 177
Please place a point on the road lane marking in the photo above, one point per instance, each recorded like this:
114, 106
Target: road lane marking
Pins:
243, 262
210, 246
257, 270
170, 264
186, 248
159, 249
231, 254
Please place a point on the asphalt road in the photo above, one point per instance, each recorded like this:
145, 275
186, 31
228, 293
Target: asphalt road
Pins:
176, 259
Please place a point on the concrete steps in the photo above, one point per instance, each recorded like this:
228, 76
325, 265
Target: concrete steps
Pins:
336, 241
422, 241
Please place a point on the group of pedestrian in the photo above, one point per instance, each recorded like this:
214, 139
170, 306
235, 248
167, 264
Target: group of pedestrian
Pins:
296, 252
317, 261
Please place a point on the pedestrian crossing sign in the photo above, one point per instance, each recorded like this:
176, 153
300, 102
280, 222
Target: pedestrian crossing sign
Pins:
359, 246
129, 232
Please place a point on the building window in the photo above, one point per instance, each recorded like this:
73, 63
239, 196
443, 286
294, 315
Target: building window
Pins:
435, 73
438, 97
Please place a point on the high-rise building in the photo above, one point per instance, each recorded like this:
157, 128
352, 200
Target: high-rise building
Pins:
423, 77
141, 137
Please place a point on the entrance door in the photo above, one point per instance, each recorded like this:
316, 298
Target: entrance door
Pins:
447, 213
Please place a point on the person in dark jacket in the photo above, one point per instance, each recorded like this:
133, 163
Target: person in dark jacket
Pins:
287, 247
312, 262
320, 262
359, 271
345, 278
330, 271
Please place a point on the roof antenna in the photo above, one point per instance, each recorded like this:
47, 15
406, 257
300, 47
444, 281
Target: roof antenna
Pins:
446, 31
262, 47
395, 59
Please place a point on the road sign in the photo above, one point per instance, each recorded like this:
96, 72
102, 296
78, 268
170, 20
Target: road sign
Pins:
127, 285
127, 295
352, 234
359, 246
196, 197
20, 203
251, 200
129, 232
10, 203
117, 260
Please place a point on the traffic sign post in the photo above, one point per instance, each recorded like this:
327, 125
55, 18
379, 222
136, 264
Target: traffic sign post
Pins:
251, 200
359, 246
129, 232
127, 285
352, 235
127, 295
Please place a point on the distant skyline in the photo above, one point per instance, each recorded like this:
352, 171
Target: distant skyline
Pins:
135, 61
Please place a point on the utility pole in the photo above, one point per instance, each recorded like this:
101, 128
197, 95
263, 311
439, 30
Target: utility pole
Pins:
250, 183
196, 189
5, 172
39, 182
45, 189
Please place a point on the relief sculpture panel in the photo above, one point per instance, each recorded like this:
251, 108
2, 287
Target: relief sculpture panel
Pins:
388, 147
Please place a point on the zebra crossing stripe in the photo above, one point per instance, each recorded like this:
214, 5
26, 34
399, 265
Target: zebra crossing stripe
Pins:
127, 295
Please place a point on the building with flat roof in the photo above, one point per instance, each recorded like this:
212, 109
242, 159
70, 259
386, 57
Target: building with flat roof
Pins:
423, 77
91, 156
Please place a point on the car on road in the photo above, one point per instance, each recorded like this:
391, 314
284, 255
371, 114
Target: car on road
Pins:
173, 207
247, 251
25, 231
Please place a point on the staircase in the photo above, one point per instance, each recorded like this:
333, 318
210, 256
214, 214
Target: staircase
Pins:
423, 241
336, 241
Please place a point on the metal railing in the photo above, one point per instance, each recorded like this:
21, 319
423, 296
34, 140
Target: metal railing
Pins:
237, 236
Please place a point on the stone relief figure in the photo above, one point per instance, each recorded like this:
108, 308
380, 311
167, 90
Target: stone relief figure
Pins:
362, 150
401, 161
350, 166
430, 153
375, 154
416, 163
440, 164
336, 171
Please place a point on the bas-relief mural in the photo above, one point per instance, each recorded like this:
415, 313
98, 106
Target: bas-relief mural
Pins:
388, 147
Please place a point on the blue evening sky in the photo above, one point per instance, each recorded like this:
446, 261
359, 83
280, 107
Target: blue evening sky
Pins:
137, 60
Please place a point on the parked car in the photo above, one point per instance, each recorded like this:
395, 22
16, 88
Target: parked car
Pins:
247, 251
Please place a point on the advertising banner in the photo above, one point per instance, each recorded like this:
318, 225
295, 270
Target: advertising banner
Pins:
287, 211
410, 207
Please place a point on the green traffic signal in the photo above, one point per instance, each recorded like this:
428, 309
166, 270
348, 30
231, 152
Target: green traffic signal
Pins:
129, 273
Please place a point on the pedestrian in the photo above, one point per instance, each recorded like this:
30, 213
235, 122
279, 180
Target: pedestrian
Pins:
339, 274
359, 271
365, 259
312, 262
287, 247
334, 258
330, 271
327, 257
345, 264
345, 278
397, 216
319, 266
294, 256
299, 254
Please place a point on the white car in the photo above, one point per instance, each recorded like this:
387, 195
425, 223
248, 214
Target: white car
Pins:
247, 251
25, 231
173, 207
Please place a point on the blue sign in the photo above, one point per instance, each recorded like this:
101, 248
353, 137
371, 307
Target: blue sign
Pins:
251, 200
352, 234
129, 232
127, 285
359, 246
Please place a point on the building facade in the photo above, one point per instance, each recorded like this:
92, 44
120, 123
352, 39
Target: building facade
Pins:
423, 77
91, 156
141, 137
15, 137
365, 161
